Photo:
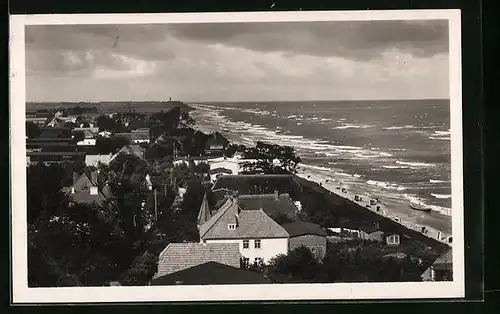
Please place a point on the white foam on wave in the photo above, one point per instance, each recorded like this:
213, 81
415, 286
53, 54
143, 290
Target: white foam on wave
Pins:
386, 185
436, 181
385, 154
395, 167
415, 164
352, 126
441, 195
399, 127
440, 138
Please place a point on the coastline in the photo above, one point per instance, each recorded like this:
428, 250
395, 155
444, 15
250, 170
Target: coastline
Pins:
437, 222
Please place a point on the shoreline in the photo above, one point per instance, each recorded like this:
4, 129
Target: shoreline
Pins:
437, 222
387, 209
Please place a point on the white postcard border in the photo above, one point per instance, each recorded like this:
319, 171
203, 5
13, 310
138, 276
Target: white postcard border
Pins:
335, 291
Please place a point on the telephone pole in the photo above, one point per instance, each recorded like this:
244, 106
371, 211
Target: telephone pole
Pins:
156, 207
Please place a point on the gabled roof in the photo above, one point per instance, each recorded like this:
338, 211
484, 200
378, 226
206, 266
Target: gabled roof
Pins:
369, 228
132, 150
82, 194
250, 224
282, 205
217, 138
299, 228
220, 170
211, 273
178, 256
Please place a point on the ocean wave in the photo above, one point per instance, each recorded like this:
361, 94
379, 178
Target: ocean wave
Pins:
436, 181
386, 185
415, 164
442, 132
352, 126
385, 154
439, 138
399, 127
395, 167
441, 195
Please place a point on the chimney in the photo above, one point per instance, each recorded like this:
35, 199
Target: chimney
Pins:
276, 195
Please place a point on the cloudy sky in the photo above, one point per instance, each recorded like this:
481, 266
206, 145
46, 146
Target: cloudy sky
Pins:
238, 62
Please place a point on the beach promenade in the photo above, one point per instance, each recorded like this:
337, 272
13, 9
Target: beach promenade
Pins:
381, 208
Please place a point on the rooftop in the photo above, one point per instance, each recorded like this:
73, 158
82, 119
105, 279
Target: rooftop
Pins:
299, 228
179, 256
211, 273
249, 224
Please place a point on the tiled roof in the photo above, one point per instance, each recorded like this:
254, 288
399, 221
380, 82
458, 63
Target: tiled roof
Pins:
82, 191
178, 256
271, 204
250, 224
369, 228
211, 273
445, 258
132, 150
298, 228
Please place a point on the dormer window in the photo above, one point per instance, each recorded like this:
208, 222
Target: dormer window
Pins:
93, 190
231, 226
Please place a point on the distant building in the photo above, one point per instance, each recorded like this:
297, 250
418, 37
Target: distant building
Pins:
134, 150
256, 184
217, 172
35, 157
441, 269
179, 256
40, 121
258, 236
216, 145
371, 232
84, 189
211, 273
307, 234
95, 160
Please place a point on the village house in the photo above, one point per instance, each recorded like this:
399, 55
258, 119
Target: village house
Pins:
216, 145
35, 157
256, 184
258, 237
307, 234
211, 273
84, 189
273, 205
134, 150
40, 121
441, 269
89, 138
95, 160
371, 232
179, 256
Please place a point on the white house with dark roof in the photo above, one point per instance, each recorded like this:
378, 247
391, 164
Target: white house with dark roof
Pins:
258, 236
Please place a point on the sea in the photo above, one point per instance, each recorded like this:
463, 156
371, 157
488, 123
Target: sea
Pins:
396, 150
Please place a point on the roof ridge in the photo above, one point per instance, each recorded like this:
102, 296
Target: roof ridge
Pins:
222, 211
162, 253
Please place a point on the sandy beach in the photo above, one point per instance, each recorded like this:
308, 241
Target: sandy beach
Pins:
436, 225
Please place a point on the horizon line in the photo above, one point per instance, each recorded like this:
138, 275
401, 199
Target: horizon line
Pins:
229, 101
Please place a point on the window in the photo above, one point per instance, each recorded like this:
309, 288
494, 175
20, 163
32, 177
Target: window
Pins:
246, 244
258, 260
257, 244
246, 261
231, 226
393, 239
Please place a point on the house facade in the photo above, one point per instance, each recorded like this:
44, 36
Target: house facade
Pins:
309, 235
258, 237
95, 160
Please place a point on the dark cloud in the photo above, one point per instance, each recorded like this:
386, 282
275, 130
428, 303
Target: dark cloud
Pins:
352, 39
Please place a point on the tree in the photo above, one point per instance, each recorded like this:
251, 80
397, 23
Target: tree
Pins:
272, 158
299, 265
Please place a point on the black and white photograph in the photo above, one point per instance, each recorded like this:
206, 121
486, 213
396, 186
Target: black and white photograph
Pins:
236, 156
